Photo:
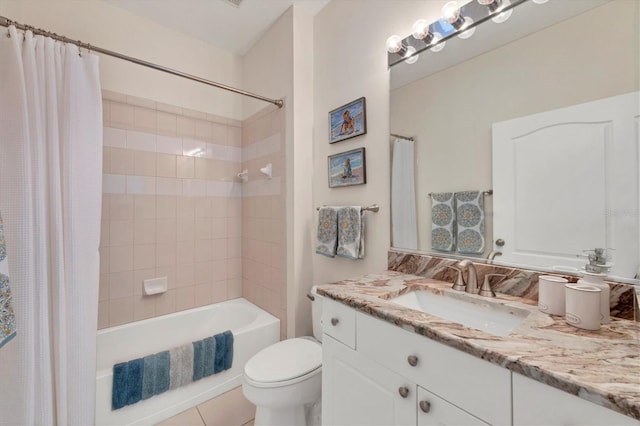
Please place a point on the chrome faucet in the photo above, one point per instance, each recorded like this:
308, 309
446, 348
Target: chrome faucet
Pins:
472, 276
493, 254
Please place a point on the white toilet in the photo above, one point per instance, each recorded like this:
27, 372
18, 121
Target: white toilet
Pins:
284, 380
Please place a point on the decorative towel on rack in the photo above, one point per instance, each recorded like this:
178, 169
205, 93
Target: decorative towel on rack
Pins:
327, 238
350, 232
7, 316
443, 237
142, 378
470, 221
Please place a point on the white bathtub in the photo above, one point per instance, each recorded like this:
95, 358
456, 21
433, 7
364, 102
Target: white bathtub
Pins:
253, 329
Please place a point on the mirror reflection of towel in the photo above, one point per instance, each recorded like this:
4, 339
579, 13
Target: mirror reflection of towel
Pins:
470, 221
443, 237
7, 316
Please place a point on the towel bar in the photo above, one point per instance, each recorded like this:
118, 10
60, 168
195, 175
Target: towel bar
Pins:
372, 208
487, 192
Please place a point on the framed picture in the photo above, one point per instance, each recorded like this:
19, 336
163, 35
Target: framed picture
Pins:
347, 168
348, 121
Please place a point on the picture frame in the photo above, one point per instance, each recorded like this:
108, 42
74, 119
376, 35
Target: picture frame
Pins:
347, 168
348, 121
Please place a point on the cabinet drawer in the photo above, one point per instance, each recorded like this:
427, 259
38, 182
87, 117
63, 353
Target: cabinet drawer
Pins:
477, 386
433, 410
339, 322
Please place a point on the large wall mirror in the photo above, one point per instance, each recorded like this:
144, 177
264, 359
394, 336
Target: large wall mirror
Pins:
543, 110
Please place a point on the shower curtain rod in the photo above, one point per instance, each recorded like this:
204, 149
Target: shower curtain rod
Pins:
6, 22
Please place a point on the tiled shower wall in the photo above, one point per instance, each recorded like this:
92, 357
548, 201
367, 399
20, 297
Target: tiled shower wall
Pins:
264, 214
171, 208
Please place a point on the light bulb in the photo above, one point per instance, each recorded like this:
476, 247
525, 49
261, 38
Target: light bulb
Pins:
410, 55
420, 29
451, 12
485, 2
468, 33
394, 44
540, 1
503, 16
436, 38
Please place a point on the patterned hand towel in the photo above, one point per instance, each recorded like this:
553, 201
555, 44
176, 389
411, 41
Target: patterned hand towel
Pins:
442, 222
327, 238
470, 221
7, 317
350, 232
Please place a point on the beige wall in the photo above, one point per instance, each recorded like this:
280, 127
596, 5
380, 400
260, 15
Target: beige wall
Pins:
101, 24
167, 211
565, 64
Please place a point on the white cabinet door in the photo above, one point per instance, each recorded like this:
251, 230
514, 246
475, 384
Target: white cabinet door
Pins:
436, 411
535, 403
358, 391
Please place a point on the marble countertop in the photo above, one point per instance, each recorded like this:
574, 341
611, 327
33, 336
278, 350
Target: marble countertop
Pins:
600, 366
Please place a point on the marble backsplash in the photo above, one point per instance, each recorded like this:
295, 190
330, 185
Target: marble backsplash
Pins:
518, 282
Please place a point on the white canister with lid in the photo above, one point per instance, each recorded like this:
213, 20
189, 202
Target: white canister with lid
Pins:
551, 294
597, 280
583, 306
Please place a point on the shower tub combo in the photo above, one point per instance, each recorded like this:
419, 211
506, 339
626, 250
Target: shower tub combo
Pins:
253, 330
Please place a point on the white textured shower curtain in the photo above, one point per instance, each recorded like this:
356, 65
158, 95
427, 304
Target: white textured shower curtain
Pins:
50, 198
404, 226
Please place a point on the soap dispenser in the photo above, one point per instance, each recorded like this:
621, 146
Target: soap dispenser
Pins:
594, 274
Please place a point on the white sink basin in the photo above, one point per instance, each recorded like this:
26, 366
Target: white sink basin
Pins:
489, 317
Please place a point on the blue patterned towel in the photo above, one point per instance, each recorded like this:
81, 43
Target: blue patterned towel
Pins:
470, 221
7, 317
327, 238
443, 223
350, 232
127, 383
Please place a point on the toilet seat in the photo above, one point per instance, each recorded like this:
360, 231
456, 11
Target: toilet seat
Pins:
284, 363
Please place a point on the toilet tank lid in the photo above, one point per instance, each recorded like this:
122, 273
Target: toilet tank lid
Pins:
285, 360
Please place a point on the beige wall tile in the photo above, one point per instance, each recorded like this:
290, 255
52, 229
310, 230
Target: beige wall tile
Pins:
165, 254
144, 119
103, 287
171, 109
186, 207
120, 311
230, 408
219, 206
166, 165
218, 291
144, 163
219, 249
103, 314
204, 130
185, 167
167, 123
186, 229
185, 298
167, 271
121, 207
106, 112
106, 206
203, 207
203, 228
120, 284
138, 279
144, 231
234, 247
166, 206
204, 250
120, 258
202, 168
104, 233
186, 127
186, 418
219, 270
166, 303
144, 256
121, 161
143, 307
166, 230
144, 207
121, 232
220, 134
121, 116
202, 294
204, 272
185, 276
234, 288
235, 136
185, 252
106, 159
234, 268
142, 102
105, 254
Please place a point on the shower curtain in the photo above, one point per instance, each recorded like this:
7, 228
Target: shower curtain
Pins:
404, 227
50, 198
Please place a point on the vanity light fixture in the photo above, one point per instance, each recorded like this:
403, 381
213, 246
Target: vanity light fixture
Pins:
394, 45
540, 1
495, 6
411, 55
451, 13
422, 32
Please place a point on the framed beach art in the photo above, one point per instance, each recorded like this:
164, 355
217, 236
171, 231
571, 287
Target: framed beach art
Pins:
348, 121
347, 168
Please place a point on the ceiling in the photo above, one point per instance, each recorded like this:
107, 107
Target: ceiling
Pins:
218, 22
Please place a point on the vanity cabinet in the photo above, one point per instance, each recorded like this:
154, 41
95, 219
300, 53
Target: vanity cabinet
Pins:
535, 403
389, 376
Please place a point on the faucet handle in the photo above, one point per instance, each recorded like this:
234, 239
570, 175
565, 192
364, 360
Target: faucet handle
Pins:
459, 284
486, 289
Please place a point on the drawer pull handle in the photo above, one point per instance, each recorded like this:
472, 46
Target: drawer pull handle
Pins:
334, 321
412, 360
425, 406
403, 391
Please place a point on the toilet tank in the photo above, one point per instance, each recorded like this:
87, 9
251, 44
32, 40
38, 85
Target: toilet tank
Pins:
316, 313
